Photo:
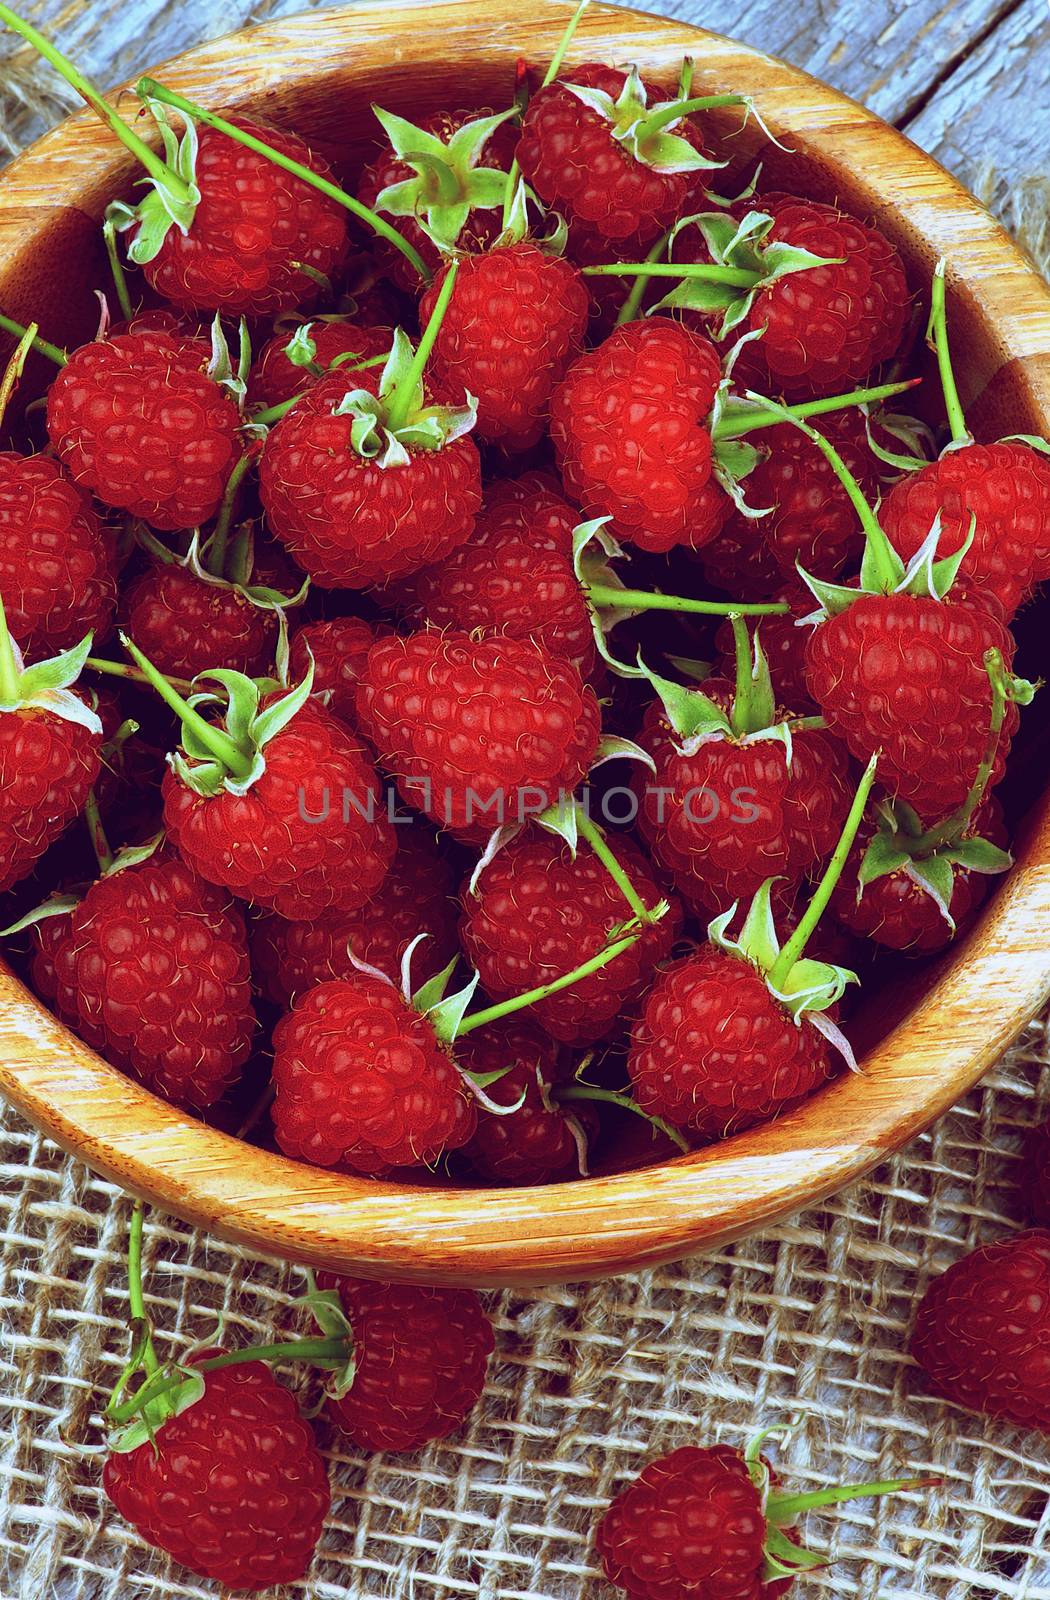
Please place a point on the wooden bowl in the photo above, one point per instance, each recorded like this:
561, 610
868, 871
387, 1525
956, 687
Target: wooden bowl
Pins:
319, 73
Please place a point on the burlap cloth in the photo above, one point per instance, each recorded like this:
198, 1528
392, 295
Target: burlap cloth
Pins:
806, 1321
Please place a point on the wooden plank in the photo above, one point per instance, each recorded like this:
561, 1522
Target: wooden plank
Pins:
990, 122
883, 52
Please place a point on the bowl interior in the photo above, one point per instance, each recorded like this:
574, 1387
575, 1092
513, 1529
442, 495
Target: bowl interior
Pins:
320, 74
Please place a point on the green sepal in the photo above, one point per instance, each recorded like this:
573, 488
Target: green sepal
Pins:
694, 717
564, 821
47, 686
1031, 439
171, 1402
301, 350
628, 117
259, 595
133, 855
785, 1559
448, 183
326, 1308
161, 209
446, 1016
221, 369
909, 430
925, 574
250, 728
980, 855
425, 428
898, 846
431, 993
810, 986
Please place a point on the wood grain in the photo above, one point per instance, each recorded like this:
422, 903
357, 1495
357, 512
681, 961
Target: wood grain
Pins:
320, 72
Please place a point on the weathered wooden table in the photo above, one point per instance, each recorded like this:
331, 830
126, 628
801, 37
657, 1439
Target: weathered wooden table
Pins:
968, 79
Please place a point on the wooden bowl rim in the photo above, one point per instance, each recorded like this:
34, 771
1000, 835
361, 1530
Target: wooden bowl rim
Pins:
978, 999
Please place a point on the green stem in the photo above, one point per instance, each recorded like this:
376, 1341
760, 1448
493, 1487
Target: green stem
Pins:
587, 1091
404, 398
116, 268
600, 594
99, 843
598, 843
41, 346
938, 332
118, 669
219, 541
136, 1297
314, 1350
10, 677
740, 715
676, 109
955, 826
796, 945
884, 557
149, 89
518, 1002
782, 1510
685, 78
736, 428
157, 169
739, 277
225, 750
631, 306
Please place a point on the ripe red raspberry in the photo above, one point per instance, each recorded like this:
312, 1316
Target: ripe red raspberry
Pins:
537, 913
1006, 488
739, 561
899, 911
714, 1052
982, 1331
310, 833
477, 732
904, 675
275, 378
339, 649
151, 968
569, 155
421, 1355
234, 1488
827, 327
349, 522
736, 810
628, 423
690, 1527
812, 519
514, 577
138, 421
515, 321
186, 625
254, 229
363, 1083
47, 767
483, 224
540, 1142
56, 561
415, 897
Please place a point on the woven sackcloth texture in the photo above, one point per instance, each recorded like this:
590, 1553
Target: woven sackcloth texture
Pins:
806, 1322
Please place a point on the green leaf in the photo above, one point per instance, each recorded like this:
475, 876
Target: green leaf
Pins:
980, 855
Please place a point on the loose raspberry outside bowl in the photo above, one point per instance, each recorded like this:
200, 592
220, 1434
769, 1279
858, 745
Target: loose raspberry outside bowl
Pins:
931, 1037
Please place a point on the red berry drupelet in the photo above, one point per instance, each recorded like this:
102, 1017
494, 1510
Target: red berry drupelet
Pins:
629, 425
982, 1331
50, 753
234, 1487
590, 151
293, 360
339, 649
56, 559
540, 908
279, 804
367, 479
363, 1082
151, 968
188, 625
416, 896
476, 729
138, 420
515, 321
421, 1356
